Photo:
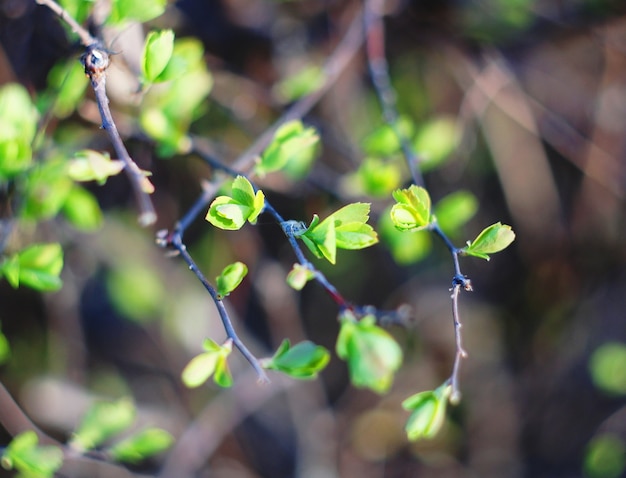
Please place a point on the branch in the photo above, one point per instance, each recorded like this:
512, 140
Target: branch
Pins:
96, 61
379, 72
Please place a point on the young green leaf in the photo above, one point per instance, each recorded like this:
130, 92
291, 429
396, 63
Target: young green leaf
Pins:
90, 165
375, 177
454, 210
428, 410
101, 422
68, 83
212, 362
38, 266
405, 248
492, 239
300, 84
298, 276
436, 140
230, 278
18, 124
5, 348
138, 10
292, 141
232, 212
141, 445
157, 52
373, 356
304, 360
344, 229
412, 209
384, 141
82, 210
31, 460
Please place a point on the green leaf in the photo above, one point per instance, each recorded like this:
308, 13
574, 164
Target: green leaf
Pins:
68, 82
428, 412
18, 124
5, 349
373, 356
454, 210
136, 291
82, 210
212, 362
375, 177
607, 368
292, 142
78, 9
405, 248
157, 52
412, 209
344, 229
304, 360
298, 276
492, 239
436, 140
139, 10
230, 278
300, 84
187, 55
46, 190
232, 212
142, 445
384, 141
30, 460
101, 422
90, 165
605, 457
37, 266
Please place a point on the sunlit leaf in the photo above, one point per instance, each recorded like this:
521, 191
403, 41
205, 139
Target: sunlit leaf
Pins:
607, 368
298, 276
304, 360
157, 52
38, 266
435, 141
292, 142
230, 278
82, 210
90, 165
31, 460
141, 445
412, 209
212, 362
102, 421
454, 210
138, 10
605, 457
384, 140
373, 356
492, 239
300, 84
405, 248
428, 411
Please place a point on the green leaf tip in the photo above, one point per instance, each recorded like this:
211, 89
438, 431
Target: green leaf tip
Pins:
412, 211
304, 360
292, 142
372, 354
213, 362
492, 239
428, 411
142, 445
38, 266
31, 460
346, 228
157, 52
230, 278
231, 212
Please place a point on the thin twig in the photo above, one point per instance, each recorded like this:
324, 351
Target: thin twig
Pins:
175, 241
455, 396
379, 72
96, 61
85, 37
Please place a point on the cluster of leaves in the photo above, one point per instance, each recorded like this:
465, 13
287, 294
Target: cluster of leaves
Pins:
102, 422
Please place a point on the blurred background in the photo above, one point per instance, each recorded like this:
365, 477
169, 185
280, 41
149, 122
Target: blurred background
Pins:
521, 103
